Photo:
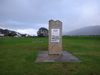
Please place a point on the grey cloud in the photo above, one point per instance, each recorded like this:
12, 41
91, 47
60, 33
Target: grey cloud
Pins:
23, 14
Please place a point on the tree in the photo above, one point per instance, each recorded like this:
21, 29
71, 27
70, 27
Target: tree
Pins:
12, 33
42, 32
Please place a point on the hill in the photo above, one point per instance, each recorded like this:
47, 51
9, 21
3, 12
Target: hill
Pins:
90, 30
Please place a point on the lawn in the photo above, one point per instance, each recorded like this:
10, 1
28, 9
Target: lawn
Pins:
18, 55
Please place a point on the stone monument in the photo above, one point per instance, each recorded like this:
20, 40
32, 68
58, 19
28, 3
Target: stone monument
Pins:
55, 53
55, 37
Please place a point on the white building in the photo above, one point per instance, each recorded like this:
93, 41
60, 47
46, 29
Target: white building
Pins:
17, 35
1, 35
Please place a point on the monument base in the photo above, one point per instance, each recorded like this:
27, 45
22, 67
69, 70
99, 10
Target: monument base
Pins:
43, 56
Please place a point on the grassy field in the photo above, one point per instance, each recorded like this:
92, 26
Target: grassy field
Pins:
18, 55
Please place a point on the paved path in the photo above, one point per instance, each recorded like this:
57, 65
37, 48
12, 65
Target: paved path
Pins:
43, 56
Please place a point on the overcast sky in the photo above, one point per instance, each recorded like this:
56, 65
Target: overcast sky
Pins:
27, 16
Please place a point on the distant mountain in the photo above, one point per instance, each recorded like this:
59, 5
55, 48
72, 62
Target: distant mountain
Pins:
90, 30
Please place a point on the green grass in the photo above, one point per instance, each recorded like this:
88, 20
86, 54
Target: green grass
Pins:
18, 55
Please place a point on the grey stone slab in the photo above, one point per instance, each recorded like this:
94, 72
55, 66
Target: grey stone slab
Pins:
43, 56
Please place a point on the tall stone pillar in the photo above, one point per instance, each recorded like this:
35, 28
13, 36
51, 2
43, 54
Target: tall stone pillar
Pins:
55, 37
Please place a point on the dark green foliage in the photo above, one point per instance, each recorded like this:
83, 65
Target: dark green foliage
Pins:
42, 32
7, 32
41, 35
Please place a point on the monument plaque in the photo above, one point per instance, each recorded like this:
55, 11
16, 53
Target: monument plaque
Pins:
55, 37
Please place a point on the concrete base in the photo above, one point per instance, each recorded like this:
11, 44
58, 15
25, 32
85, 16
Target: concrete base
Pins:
43, 56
